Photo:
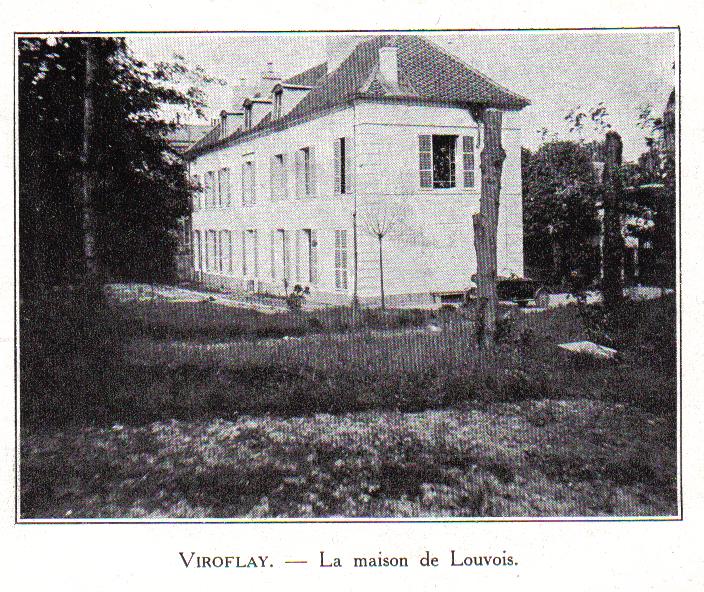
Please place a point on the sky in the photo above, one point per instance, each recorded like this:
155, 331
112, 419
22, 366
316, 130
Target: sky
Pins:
556, 70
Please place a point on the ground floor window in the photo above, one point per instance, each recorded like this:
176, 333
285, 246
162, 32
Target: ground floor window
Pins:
196, 250
341, 259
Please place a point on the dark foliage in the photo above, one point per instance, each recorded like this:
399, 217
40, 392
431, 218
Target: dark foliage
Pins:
559, 211
141, 186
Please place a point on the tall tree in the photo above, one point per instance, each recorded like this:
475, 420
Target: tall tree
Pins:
559, 211
486, 226
126, 188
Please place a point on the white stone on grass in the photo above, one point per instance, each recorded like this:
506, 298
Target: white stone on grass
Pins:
589, 348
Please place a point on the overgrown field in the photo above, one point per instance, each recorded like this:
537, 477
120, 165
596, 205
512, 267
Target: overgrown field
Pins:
536, 458
160, 410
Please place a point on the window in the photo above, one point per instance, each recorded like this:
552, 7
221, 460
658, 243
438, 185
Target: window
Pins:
224, 188
196, 250
278, 177
226, 251
196, 192
343, 165
280, 255
248, 117
213, 250
437, 161
248, 178
305, 174
278, 95
207, 249
310, 256
209, 189
249, 253
341, 259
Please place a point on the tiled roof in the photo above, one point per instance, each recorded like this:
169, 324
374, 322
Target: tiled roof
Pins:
426, 73
310, 77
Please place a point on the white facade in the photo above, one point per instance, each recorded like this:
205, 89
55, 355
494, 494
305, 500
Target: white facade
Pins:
271, 238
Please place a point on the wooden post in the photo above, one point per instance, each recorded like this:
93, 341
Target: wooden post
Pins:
612, 255
486, 226
88, 221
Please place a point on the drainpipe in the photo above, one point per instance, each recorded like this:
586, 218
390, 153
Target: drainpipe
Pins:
355, 254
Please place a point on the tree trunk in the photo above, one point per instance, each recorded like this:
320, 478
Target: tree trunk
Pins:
381, 275
486, 225
88, 177
613, 237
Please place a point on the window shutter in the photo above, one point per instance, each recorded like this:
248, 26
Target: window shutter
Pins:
348, 165
273, 181
221, 253
255, 254
313, 257
244, 252
298, 255
468, 160
425, 145
221, 179
229, 252
228, 190
300, 173
244, 184
196, 200
283, 179
337, 155
311, 187
286, 246
253, 184
272, 241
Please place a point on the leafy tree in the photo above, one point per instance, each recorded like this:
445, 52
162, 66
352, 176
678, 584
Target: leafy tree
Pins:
559, 210
141, 187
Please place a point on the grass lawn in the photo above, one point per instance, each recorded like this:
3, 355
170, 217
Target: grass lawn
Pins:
536, 458
148, 415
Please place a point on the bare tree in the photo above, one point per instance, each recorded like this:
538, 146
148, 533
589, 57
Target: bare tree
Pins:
388, 219
486, 226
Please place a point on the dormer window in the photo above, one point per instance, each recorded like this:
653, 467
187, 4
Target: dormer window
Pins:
278, 95
248, 117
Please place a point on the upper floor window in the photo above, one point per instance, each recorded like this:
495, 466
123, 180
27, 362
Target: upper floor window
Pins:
196, 193
225, 199
278, 177
305, 172
437, 161
248, 179
209, 189
343, 165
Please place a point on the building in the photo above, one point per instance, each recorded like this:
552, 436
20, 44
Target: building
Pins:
383, 137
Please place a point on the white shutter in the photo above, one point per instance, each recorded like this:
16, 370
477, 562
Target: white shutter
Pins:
337, 156
272, 240
311, 185
283, 180
273, 180
349, 164
468, 160
313, 257
425, 146
244, 252
300, 174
